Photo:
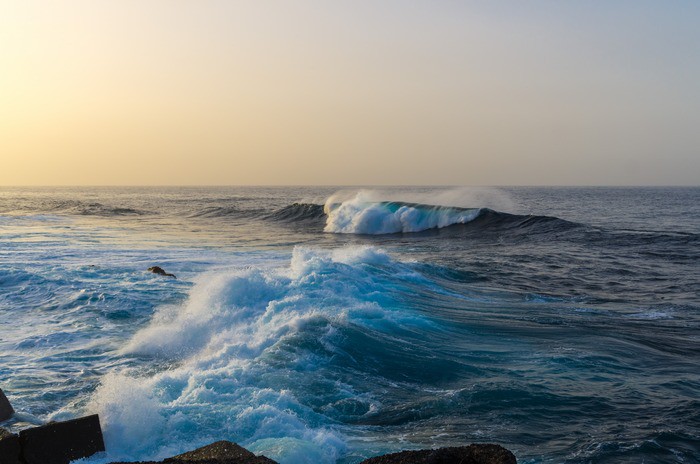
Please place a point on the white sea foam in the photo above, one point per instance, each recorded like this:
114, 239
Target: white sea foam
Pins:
365, 214
224, 346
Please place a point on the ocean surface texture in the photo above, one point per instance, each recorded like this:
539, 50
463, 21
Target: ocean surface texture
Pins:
318, 325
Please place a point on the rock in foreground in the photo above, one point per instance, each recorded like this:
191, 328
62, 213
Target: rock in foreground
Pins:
6, 410
62, 442
9, 447
220, 452
472, 454
225, 452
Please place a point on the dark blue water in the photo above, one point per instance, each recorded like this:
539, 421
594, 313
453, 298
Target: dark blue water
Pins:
562, 323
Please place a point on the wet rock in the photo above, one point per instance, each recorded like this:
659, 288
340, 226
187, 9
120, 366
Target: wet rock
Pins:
220, 452
6, 410
9, 447
62, 442
159, 270
472, 454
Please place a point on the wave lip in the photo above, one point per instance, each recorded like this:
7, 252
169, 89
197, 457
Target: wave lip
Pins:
358, 216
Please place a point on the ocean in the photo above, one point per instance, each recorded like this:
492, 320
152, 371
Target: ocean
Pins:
327, 325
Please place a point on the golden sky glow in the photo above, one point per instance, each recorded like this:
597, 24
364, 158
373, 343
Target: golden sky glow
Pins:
312, 92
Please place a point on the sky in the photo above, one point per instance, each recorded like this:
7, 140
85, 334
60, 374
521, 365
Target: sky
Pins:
381, 92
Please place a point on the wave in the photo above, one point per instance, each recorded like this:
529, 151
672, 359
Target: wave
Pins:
265, 356
94, 209
298, 212
489, 220
358, 216
226, 212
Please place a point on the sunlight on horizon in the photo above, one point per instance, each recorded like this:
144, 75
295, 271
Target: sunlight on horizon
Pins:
241, 93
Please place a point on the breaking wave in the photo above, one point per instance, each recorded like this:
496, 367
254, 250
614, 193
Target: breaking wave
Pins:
359, 215
258, 356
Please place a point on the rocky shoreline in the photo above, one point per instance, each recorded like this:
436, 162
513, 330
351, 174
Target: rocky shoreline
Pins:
225, 452
14, 450
66, 441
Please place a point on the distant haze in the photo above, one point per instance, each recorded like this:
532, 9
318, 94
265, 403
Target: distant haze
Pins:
131, 92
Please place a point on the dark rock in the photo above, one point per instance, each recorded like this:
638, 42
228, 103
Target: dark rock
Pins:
472, 454
159, 270
6, 410
225, 452
220, 452
9, 447
62, 442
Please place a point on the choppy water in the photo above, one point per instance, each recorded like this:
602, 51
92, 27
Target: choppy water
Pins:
316, 325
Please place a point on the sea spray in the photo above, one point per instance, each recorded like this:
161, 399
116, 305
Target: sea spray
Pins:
360, 215
237, 345
457, 197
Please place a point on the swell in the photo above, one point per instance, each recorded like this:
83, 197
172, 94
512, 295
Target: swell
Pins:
489, 222
226, 212
83, 208
297, 212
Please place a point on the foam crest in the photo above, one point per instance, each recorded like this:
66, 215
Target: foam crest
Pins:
241, 349
363, 215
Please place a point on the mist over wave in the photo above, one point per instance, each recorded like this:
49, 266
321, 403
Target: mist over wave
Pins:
458, 197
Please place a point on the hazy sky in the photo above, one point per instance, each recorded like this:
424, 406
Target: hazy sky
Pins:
146, 92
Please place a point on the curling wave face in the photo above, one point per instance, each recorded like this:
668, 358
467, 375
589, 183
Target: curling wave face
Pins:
360, 216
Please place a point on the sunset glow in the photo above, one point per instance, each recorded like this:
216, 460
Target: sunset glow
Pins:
239, 93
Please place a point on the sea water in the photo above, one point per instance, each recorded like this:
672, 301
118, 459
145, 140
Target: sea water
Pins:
323, 325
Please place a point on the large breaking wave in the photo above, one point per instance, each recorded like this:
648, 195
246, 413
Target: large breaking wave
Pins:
257, 355
368, 212
390, 217
363, 213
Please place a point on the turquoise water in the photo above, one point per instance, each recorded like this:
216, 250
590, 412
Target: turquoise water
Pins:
561, 323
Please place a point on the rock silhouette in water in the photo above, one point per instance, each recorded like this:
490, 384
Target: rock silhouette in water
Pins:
472, 454
6, 410
62, 442
159, 270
